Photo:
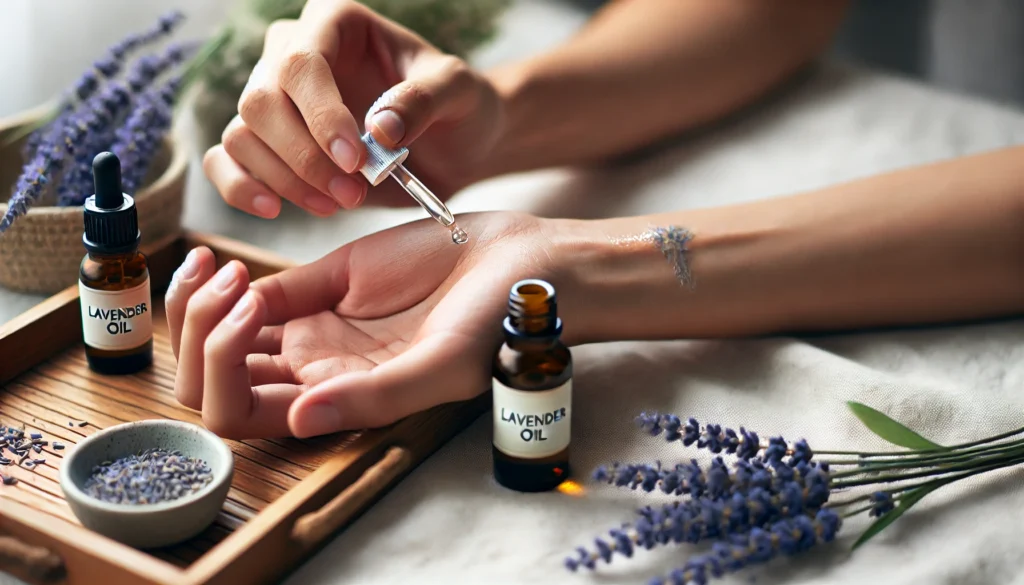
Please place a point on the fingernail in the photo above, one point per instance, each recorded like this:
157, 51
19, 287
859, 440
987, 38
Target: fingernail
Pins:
225, 277
265, 205
190, 267
320, 418
390, 124
345, 155
321, 203
345, 190
243, 307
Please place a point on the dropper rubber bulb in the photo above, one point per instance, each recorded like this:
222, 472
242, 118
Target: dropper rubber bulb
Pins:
106, 172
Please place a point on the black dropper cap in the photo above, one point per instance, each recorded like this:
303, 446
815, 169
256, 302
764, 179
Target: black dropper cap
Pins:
111, 220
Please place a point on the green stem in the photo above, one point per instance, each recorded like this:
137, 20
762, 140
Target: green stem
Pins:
207, 52
921, 451
935, 461
912, 486
874, 463
990, 463
860, 510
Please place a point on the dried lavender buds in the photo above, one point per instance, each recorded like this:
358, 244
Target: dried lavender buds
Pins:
151, 477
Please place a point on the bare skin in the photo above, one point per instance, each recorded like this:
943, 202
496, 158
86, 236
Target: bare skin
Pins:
402, 320
296, 137
386, 326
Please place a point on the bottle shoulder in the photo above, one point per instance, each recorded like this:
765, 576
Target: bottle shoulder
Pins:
114, 273
533, 368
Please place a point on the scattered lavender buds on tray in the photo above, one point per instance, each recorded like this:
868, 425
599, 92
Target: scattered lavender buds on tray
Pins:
151, 477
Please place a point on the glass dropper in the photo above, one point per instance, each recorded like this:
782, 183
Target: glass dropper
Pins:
382, 162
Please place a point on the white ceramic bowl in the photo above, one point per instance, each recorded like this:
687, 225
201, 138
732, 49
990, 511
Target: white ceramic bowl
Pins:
148, 525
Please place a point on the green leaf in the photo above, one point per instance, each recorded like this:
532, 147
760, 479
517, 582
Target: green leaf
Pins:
890, 430
906, 502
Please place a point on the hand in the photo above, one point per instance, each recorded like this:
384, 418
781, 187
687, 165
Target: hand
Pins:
297, 138
386, 326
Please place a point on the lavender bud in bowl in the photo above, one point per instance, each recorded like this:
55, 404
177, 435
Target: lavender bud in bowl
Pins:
148, 484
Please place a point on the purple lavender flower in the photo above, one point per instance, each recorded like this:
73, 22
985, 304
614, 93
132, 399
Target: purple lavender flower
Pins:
705, 517
745, 445
48, 160
718, 482
106, 68
105, 107
883, 504
138, 140
112, 103
786, 537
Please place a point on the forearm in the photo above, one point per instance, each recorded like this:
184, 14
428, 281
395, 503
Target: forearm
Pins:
938, 243
643, 70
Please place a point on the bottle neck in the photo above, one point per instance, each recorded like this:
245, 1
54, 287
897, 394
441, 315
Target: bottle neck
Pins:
108, 258
523, 339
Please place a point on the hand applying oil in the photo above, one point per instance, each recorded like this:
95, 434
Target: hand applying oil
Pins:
296, 140
382, 162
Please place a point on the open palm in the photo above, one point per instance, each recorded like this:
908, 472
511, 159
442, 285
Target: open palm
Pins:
388, 325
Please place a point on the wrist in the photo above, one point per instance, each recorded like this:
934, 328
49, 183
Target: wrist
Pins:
621, 281
606, 279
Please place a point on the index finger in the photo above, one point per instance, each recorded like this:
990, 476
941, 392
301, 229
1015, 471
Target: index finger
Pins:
307, 289
306, 76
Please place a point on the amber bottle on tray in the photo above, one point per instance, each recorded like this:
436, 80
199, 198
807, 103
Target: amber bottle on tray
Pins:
113, 282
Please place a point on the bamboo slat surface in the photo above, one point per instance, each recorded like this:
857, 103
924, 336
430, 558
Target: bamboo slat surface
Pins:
53, 397
287, 496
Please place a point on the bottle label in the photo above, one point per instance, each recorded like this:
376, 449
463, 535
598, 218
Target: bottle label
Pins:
532, 425
116, 319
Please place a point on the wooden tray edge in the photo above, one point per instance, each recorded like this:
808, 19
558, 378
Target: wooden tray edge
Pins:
263, 550
83, 549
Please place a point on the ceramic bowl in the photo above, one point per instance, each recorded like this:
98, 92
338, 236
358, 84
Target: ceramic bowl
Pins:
148, 525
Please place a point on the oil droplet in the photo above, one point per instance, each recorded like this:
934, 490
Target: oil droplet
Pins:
459, 235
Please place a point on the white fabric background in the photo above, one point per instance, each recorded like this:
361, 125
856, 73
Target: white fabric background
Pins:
449, 523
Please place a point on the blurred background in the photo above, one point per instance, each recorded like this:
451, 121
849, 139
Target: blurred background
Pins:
974, 47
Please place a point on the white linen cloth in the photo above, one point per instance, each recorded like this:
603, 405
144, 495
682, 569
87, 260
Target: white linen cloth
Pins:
449, 523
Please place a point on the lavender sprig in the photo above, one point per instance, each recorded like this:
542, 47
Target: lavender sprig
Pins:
787, 537
744, 444
47, 161
140, 136
104, 69
717, 481
76, 184
703, 518
769, 504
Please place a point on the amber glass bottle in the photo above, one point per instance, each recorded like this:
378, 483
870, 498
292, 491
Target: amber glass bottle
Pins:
532, 393
113, 280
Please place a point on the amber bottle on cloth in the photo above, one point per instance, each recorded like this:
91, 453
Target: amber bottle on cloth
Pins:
532, 393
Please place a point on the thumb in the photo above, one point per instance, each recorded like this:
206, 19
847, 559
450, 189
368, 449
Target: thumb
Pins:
439, 369
437, 87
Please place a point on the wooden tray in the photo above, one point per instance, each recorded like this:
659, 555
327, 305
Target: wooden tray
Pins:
287, 496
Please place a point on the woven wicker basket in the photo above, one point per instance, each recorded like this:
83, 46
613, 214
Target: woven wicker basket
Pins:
42, 251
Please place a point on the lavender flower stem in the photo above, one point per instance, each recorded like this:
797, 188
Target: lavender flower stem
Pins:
922, 451
899, 490
959, 458
934, 460
975, 449
861, 510
988, 463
